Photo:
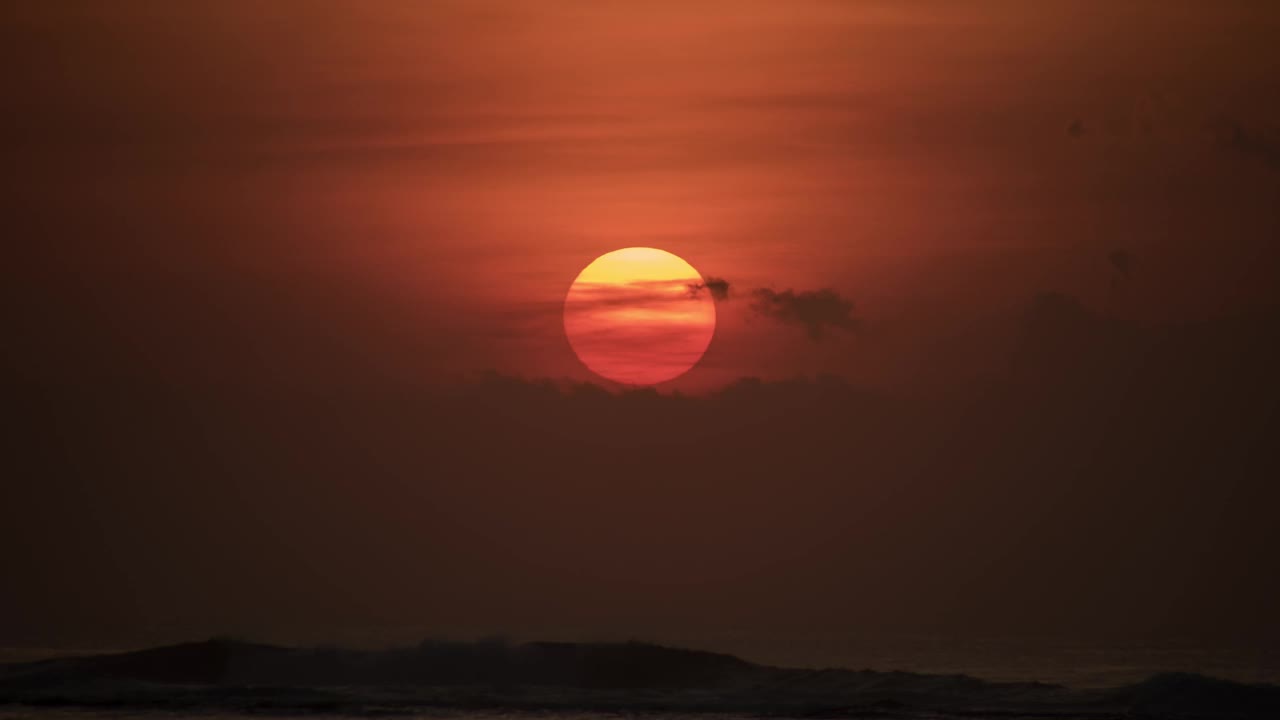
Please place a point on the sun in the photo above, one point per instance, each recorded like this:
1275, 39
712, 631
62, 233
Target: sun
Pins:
637, 316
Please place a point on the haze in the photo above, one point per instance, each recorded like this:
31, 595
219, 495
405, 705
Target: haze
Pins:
284, 350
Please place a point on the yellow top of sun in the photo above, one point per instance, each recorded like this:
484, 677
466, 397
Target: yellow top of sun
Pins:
637, 265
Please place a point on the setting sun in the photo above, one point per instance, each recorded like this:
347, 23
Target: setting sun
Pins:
637, 316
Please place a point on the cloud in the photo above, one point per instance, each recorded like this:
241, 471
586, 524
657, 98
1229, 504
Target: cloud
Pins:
646, 293
719, 288
1234, 136
1123, 262
817, 311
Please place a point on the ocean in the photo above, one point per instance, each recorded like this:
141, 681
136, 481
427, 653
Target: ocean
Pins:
750, 675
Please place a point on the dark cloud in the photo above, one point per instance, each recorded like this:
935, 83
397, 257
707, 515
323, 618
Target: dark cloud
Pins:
875, 504
817, 311
1122, 260
1076, 128
1248, 141
1123, 263
719, 288
655, 293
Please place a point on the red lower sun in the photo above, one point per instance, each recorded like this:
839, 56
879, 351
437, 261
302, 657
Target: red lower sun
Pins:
635, 316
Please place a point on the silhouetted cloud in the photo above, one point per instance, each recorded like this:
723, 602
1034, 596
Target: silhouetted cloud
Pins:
651, 293
817, 311
1234, 136
719, 288
1076, 128
489, 478
1122, 260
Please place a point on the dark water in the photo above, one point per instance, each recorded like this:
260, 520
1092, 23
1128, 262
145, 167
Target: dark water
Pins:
1078, 663
1015, 678
433, 714
41, 714
1073, 662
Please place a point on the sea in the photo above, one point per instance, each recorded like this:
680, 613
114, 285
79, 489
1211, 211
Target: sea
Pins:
1074, 663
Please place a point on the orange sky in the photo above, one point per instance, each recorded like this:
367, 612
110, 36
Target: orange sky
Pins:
253, 247
461, 161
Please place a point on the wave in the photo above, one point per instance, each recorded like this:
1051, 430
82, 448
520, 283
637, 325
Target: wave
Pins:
228, 675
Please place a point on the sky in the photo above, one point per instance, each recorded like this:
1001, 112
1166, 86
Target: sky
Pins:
284, 287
